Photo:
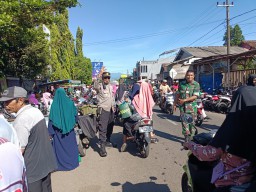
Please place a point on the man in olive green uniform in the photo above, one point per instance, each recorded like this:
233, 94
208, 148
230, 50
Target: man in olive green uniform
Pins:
186, 97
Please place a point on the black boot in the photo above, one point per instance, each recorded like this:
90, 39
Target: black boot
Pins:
110, 144
103, 152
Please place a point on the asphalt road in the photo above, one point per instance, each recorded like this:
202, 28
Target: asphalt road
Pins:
128, 172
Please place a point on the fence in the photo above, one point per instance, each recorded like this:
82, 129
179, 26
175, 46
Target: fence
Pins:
238, 76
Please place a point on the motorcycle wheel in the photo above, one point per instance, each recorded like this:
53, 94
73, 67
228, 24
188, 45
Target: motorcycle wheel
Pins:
86, 143
169, 109
158, 101
81, 149
145, 150
222, 107
185, 183
198, 121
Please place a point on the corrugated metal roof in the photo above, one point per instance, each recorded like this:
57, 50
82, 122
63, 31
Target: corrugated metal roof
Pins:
181, 71
251, 43
202, 52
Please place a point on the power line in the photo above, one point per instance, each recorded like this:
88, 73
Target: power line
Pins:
192, 26
231, 25
213, 42
220, 25
144, 36
156, 34
163, 33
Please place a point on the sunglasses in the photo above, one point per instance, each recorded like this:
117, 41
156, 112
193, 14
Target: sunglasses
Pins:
106, 77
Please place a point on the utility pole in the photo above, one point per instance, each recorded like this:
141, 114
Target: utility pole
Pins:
227, 5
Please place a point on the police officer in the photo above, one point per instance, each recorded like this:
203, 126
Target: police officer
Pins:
186, 97
105, 111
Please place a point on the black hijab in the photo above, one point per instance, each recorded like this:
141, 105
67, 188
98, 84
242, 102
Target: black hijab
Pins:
120, 92
237, 134
250, 79
135, 90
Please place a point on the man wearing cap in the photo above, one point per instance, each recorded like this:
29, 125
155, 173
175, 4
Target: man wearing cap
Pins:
105, 111
163, 89
34, 139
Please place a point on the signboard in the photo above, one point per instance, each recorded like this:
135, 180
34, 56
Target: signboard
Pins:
172, 73
96, 67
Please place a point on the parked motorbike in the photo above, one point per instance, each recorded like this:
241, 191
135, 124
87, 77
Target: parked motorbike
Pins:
167, 106
199, 118
141, 133
210, 102
223, 105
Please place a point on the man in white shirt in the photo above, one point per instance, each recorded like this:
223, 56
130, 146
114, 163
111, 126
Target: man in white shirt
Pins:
164, 88
34, 139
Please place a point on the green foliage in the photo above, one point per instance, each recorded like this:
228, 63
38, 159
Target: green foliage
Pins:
236, 36
249, 64
24, 50
83, 66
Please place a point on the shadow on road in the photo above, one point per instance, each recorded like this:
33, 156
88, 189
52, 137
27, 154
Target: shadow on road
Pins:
169, 136
208, 127
163, 115
143, 187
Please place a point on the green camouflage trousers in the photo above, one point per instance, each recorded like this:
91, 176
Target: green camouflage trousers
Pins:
190, 109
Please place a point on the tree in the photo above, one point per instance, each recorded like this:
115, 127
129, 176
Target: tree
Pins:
83, 66
62, 48
24, 49
236, 36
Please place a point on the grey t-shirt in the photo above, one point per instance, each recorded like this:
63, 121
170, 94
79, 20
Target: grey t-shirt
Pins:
34, 138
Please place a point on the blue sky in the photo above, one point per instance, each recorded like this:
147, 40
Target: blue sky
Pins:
122, 32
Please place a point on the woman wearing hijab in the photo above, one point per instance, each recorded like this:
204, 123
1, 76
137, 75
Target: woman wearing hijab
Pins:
234, 143
120, 92
33, 100
47, 100
61, 125
252, 80
142, 107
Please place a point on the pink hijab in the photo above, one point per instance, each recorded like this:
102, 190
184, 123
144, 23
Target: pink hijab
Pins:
46, 98
114, 89
32, 99
143, 102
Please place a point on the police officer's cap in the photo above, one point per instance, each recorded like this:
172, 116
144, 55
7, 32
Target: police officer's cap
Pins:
106, 74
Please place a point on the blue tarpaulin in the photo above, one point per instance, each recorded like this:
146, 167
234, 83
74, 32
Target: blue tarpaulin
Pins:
206, 82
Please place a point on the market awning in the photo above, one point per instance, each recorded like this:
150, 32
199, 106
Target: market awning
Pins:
178, 71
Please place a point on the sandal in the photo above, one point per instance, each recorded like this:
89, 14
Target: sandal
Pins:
123, 147
154, 140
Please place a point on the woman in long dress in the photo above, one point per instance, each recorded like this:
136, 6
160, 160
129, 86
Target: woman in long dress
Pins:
61, 125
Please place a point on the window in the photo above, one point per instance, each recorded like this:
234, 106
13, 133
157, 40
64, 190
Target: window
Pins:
143, 68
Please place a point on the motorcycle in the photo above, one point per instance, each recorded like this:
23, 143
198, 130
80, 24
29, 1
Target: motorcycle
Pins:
197, 174
167, 106
85, 128
223, 105
141, 133
199, 118
156, 96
